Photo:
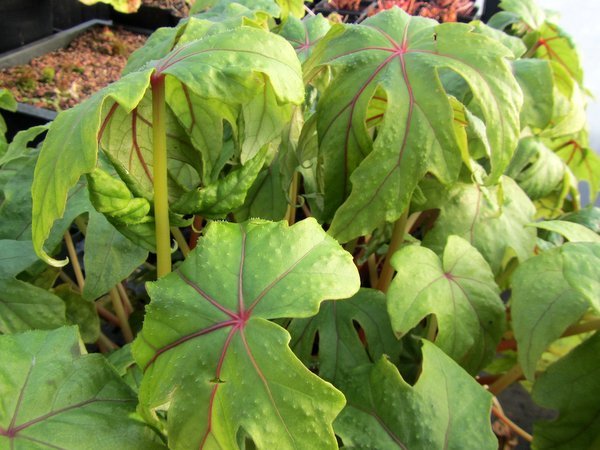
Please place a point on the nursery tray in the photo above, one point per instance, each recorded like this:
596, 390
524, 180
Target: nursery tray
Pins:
46, 45
27, 114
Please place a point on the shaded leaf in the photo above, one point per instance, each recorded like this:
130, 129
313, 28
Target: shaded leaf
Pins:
550, 293
214, 361
55, 397
571, 386
109, 257
341, 346
459, 290
80, 312
16, 256
24, 306
446, 408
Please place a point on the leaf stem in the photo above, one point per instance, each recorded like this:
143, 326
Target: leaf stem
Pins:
499, 413
181, 242
432, 328
161, 189
74, 261
584, 327
106, 314
372, 265
123, 322
196, 230
125, 298
397, 238
290, 214
515, 373
105, 344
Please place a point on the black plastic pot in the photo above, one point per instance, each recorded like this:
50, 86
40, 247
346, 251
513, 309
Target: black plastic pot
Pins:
24, 21
489, 9
147, 17
69, 13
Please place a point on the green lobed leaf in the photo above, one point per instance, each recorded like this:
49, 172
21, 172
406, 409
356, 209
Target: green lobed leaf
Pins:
459, 290
341, 347
24, 306
109, 257
55, 397
493, 219
572, 387
446, 408
551, 292
403, 56
215, 363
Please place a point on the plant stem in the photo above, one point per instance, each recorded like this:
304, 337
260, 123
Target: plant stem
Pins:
397, 238
196, 230
372, 264
514, 374
181, 242
67, 279
584, 327
497, 411
74, 261
105, 344
161, 190
432, 328
107, 315
290, 214
123, 322
125, 298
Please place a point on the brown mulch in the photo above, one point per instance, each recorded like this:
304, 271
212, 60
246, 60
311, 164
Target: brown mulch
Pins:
61, 79
178, 8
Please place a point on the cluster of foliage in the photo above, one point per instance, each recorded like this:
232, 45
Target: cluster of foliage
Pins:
325, 158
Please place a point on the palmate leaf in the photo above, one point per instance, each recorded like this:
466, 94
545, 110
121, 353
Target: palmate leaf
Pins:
224, 67
493, 220
459, 290
404, 57
276, 8
551, 292
340, 346
445, 409
571, 386
52, 396
213, 360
